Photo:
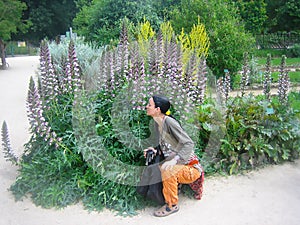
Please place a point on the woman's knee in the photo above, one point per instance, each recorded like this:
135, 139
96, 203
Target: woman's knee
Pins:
189, 175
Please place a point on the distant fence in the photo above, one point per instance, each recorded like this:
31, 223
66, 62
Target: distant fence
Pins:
279, 40
20, 48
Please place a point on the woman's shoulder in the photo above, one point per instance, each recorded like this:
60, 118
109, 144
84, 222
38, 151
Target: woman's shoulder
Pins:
171, 121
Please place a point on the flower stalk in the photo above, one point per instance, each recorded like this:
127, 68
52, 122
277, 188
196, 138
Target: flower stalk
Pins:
267, 78
245, 74
9, 154
35, 112
283, 82
223, 86
48, 78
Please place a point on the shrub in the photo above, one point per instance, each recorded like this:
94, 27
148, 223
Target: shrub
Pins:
258, 132
228, 38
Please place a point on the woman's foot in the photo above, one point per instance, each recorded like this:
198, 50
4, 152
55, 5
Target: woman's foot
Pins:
166, 210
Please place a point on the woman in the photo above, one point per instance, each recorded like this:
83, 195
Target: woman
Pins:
181, 164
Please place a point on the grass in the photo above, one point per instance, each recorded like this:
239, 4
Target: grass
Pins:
294, 76
262, 53
294, 99
277, 61
276, 54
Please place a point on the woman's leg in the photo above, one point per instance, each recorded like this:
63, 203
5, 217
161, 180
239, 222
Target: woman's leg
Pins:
183, 174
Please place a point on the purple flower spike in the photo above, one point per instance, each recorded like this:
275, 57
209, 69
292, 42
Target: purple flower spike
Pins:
283, 82
9, 154
267, 78
38, 124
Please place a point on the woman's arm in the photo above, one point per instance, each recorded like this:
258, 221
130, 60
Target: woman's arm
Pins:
182, 143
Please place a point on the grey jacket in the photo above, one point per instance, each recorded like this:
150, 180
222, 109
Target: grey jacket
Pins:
175, 141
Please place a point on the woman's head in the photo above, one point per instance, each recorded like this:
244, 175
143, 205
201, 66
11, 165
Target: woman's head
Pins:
162, 102
158, 105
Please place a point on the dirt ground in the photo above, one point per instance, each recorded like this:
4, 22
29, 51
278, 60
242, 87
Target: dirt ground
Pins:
269, 196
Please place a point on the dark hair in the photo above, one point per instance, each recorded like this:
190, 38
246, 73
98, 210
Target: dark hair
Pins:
162, 102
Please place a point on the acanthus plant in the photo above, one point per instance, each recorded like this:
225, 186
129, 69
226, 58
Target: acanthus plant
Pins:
283, 82
39, 126
9, 153
74, 69
38, 100
224, 86
267, 78
245, 74
49, 83
53, 82
161, 71
52, 86
40, 97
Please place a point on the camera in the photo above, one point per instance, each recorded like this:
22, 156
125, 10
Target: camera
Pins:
149, 157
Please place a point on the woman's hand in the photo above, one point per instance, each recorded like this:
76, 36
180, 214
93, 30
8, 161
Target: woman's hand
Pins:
149, 149
168, 164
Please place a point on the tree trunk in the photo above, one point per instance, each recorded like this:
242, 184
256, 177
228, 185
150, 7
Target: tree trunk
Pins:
2, 54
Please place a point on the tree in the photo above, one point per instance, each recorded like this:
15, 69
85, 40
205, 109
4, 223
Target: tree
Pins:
48, 19
163, 7
284, 15
10, 22
254, 14
227, 35
101, 20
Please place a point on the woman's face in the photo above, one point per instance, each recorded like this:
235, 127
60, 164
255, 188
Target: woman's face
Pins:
150, 108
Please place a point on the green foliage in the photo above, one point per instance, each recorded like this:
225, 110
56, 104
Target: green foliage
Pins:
49, 176
254, 14
57, 176
87, 54
101, 20
294, 51
284, 15
262, 53
277, 59
138, 124
60, 177
11, 18
10, 22
228, 38
48, 20
258, 132
101, 193
13, 49
295, 77
294, 99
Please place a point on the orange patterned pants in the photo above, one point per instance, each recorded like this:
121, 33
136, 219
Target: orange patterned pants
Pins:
178, 174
